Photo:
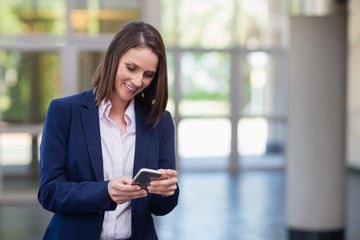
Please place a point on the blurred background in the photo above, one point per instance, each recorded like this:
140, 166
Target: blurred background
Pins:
229, 67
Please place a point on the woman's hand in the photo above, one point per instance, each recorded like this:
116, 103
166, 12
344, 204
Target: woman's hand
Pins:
166, 185
120, 190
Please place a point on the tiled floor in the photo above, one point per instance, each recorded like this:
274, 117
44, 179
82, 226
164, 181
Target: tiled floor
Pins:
247, 206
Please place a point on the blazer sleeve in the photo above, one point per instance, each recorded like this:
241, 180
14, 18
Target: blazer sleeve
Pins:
57, 193
160, 205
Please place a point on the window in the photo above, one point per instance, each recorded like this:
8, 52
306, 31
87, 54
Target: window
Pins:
229, 65
95, 17
205, 84
28, 81
33, 17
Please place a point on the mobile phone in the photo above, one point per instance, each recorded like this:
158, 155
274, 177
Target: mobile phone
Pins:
145, 176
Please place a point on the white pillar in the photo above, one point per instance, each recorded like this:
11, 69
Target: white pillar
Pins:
69, 70
317, 108
353, 117
151, 12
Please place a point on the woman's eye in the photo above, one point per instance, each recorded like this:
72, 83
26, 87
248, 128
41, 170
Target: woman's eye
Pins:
131, 69
149, 75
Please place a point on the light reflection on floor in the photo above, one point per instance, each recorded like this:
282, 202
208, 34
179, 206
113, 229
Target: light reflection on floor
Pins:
223, 206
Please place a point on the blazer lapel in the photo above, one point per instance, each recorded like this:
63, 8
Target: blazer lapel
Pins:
143, 136
90, 120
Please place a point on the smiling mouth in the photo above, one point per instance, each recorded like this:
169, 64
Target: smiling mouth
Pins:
130, 88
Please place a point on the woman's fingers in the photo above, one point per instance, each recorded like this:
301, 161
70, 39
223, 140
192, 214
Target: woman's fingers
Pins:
120, 190
167, 185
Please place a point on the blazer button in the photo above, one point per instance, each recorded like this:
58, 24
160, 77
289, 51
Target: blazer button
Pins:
100, 212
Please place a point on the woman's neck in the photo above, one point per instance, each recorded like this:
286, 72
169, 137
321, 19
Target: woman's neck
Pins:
117, 113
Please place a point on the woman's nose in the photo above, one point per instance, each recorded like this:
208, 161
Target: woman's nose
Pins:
137, 80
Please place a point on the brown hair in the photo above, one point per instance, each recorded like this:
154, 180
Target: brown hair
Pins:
132, 35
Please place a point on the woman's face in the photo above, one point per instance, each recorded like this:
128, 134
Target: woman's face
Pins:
136, 70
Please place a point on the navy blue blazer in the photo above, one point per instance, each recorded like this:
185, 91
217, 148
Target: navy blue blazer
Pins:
72, 183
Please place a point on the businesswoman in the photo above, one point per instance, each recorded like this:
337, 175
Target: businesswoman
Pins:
94, 142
